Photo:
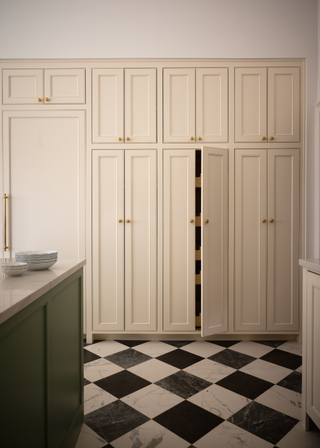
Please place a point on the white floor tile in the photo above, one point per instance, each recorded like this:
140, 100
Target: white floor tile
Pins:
209, 370
266, 371
106, 348
291, 347
219, 401
228, 435
95, 398
89, 439
282, 400
152, 400
150, 435
153, 370
251, 348
299, 438
101, 368
202, 348
154, 348
299, 369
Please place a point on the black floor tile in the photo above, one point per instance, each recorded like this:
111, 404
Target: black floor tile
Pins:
128, 358
89, 356
114, 420
263, 422
178, 344
180, 358
225, 344
292, 382
188, 421
86, 382
284, 359
232, 359
273, 344
122, 383
131, 343
243, 384
183, 384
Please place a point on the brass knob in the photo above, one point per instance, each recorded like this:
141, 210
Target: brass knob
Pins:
39, 99
206, 221
271, 220
46, 98
191, 138
128, 220
192, 221
120, 220
264, 220
128, 138
271, 138
120, 138
263, 138
199, 138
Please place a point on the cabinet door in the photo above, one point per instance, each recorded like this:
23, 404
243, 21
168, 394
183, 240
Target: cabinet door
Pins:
65, 86
283, 240
212, 104
179, 105
312, 334
250, 104
107, 108
44, 172
179, 240
214, 241
250, 240
22, 86
108, 239
284, 104
140, 105
140, 240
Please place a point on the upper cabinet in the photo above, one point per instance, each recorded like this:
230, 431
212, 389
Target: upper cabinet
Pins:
49, 86
195, 105
267, 104
124, 105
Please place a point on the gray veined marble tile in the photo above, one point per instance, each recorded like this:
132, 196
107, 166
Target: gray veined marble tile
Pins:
101, 368
251, 348
283, 400
183, 384
299, 438
210, 370
291, 347
153, 370
105, 348
202, 348
95, 398
266, 371
155, 348
89, 439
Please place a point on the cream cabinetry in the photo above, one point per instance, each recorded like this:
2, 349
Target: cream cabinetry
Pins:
266, 293
195, 105
124, 240
267, 104
179, 221
49, 86
124, 105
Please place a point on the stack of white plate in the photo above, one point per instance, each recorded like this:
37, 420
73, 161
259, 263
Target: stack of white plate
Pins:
37, 260
13, 269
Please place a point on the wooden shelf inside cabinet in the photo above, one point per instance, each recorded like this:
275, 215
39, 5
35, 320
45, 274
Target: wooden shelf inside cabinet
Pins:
198, 321
198, 278
198, 182
198, 254
198, 221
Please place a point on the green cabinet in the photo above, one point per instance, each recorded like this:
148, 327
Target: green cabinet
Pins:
41, 373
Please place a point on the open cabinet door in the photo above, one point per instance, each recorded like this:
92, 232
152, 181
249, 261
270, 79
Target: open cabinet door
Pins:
214, 241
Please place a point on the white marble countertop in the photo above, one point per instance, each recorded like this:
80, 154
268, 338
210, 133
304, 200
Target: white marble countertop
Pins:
18, 292
310, 263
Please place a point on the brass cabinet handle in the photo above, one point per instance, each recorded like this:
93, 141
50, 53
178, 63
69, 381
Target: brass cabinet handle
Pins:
199, 138
264, 220
120, 220
206, 221
39, 99
192, 221
191, 138
120, 138
5, 247
128, 138
128, 220
271, 138
46, 98
271, 220
263, 138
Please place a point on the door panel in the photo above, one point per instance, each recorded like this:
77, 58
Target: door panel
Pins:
22, 86
214, 241
179, 240
65, 86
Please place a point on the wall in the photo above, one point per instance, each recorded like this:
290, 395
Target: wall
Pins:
174, 29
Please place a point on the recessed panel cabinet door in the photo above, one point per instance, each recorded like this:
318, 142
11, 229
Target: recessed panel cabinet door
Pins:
140, 240
214, 241
22, 86
64, 86
283, 238
108, 240
251, 229
179, 240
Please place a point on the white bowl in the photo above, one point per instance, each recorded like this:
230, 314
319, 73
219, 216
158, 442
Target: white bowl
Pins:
13, 269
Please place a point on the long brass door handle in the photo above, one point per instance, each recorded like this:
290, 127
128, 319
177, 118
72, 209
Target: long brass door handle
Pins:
5, 247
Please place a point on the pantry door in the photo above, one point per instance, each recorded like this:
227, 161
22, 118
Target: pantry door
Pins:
214, 241
44, 179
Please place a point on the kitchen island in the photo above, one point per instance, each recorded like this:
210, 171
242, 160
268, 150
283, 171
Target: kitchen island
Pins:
41, 353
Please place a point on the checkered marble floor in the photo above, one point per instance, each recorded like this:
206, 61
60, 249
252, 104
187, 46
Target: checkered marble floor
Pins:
203, 394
